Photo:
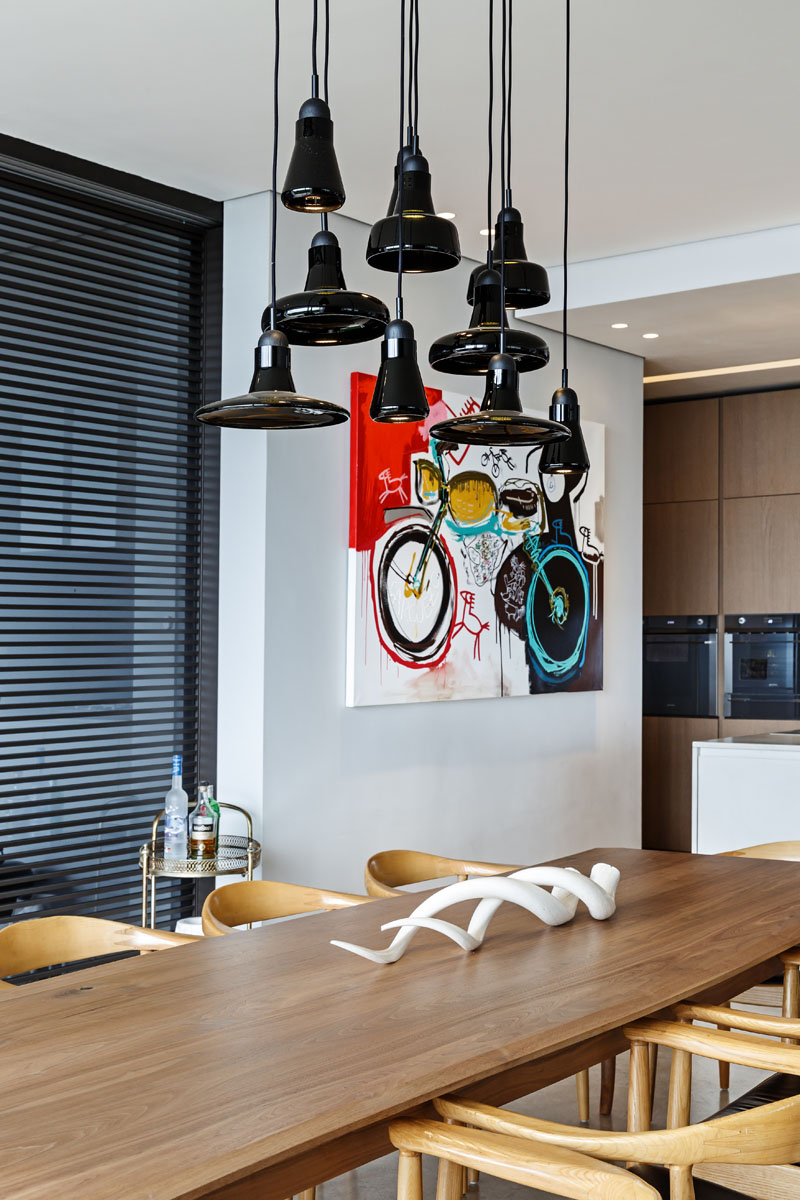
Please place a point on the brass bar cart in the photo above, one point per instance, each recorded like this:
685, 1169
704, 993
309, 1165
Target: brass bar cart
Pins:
235, 856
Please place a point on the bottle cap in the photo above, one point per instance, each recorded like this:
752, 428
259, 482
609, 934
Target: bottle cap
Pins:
177, 764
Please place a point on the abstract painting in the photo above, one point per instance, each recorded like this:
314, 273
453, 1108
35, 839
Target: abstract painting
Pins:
470, 574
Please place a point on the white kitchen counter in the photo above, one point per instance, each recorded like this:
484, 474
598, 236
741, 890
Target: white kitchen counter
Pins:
745, 791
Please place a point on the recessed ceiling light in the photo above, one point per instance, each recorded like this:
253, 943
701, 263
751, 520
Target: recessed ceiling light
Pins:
485, 232
447, 215
620, 325
649, 335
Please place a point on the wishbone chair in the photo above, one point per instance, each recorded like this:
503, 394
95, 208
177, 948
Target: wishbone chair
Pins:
765, 1136
264, 900
556, 1171
51, 941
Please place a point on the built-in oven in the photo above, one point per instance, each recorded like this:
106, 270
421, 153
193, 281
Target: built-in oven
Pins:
762, 680
679, 660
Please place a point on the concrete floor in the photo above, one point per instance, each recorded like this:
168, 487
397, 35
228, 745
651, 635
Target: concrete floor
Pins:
378, 1180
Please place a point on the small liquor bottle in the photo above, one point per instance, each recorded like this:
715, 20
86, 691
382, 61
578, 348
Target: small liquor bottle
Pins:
203, 827
214, 804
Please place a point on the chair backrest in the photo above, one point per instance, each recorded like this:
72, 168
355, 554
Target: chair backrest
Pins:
50, 941
786, 851
263, 900
387, 872
552, 1169
765, 1136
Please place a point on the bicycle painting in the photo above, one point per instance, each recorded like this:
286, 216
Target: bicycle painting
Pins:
471, 575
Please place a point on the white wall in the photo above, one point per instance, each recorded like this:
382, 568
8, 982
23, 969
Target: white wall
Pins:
517, 780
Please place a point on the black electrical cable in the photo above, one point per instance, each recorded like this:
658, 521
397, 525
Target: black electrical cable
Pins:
491, 115
314, 72
323, 218
327, 46
566, 195
399, 303
503, 115
416, 76
507, 200
410, 125
275, 163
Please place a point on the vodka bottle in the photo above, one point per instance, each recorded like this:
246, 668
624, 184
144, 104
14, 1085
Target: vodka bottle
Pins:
176, 806
203, 827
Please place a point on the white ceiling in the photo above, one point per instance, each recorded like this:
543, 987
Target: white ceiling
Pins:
751, 322
684, 112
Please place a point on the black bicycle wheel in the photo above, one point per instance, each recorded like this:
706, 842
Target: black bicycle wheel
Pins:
417, 626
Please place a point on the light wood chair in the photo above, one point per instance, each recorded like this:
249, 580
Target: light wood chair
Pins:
556, 1171
264, 900
783, 994
51, 941
389, 871
764, 1138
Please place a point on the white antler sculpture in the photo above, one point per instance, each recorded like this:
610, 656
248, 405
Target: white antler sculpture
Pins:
525, 888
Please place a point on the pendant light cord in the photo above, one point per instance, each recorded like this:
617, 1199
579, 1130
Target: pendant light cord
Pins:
314, 71
507, 197
564, 374
274, 238
416, 75
503, 181
327, 48
490, 159
323, 217
399, 302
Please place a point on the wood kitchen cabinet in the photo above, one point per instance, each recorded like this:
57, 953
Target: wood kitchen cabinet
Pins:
681, 451
667, 778
760, 559
760, 440
680, 553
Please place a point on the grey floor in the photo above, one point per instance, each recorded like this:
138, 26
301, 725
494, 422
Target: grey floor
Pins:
377, 1180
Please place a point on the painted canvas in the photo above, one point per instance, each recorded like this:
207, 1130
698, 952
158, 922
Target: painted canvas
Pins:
470, 574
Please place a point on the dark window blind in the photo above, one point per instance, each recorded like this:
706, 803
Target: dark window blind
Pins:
104, 350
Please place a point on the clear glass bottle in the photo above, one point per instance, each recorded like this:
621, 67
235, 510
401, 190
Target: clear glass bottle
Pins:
176, 807
203, 827
215, 805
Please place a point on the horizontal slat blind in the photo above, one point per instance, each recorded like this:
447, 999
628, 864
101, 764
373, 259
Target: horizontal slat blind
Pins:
101, 367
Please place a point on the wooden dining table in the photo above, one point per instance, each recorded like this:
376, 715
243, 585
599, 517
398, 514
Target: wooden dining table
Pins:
259, 1064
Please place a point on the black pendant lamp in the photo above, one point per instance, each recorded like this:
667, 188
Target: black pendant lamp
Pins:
471, 351
428, 242
272, 402
527, 285
568, 457
325, 313
313, 182
500, 420
399, 396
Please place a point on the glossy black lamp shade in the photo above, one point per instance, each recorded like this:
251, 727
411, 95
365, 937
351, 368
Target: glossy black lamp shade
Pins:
527, 285
501, 421
399, 396
470, 351
430, 243
568, 457
326, 314
272, 402
313, 182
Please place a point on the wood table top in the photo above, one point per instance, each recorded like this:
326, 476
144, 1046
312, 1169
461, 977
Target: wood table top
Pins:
172, 1075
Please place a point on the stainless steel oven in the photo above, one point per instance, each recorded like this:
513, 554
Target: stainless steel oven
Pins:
679, 666
761, 666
